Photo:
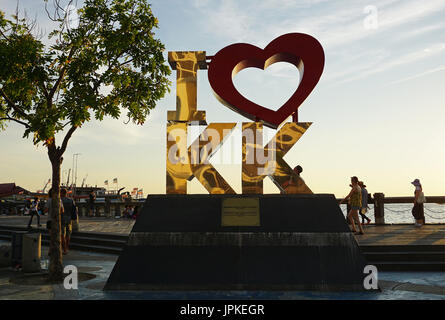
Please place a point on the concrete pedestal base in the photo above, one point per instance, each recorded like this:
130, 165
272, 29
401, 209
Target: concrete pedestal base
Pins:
182, 242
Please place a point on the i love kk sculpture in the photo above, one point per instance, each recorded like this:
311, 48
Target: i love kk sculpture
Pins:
186, 161
249, 241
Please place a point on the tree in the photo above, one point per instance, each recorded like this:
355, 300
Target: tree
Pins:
108, 60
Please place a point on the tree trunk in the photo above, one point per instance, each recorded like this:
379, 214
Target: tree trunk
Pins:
55, 246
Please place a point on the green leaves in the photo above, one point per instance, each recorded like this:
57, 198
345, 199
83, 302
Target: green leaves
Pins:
110, 61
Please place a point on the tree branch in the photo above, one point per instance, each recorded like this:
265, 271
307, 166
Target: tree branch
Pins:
13, 105
61, 75
16, 120
65, 140
45, 91
66, 124
124, 63
4, 35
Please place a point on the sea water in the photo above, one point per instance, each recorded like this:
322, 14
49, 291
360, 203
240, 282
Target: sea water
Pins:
401, 212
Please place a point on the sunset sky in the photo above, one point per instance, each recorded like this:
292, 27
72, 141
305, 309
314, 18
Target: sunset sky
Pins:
377, 112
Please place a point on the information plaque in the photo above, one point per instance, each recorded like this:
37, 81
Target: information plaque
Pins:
240, 212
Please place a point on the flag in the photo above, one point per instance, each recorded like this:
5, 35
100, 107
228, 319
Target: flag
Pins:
106, 182
115, 180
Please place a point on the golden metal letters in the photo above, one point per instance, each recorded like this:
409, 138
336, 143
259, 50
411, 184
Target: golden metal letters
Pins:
186, 162
179, 168
252, 144
186, 64
178, 164
201, 151
285, 138
259, 162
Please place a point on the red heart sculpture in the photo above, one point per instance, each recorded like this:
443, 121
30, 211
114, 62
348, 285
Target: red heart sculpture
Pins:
300, 49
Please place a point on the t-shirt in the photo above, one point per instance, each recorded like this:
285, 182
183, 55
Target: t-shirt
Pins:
68, 205
356, 197
34, 206
364, 198
420, 198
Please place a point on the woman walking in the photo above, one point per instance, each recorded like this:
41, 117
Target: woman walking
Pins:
364, 207
419, 200
355, 201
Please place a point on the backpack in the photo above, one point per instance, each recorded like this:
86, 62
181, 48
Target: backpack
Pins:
421, 198
74, 212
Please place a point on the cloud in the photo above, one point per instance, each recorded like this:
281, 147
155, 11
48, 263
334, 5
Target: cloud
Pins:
227, 20
441, 68
403, 60
118, 131
421, 31
352, 52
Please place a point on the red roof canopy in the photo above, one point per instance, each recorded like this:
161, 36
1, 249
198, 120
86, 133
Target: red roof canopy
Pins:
9, 189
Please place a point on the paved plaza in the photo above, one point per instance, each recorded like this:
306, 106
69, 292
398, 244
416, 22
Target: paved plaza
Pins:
94, 269
396, 234
86, 224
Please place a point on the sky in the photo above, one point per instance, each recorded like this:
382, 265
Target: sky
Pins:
377, 110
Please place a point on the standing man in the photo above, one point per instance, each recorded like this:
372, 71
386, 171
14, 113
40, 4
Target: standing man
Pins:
69, 208
91, 200
34, 211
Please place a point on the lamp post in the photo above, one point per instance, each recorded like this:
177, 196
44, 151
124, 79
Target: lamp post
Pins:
74, 174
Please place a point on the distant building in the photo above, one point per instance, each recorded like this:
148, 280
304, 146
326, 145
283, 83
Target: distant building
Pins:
12, 198
84, 191
10, 189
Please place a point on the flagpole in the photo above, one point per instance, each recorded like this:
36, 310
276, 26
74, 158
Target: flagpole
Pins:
117, 184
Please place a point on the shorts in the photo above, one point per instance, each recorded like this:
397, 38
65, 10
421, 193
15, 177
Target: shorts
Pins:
355, 208
66, 229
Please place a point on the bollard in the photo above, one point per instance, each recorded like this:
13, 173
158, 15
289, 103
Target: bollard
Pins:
16, 248
117, 210
5, 256
97, 210
82, 210
31, 252
379, 208
108, 207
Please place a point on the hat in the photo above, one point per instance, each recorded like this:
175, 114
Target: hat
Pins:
416, 182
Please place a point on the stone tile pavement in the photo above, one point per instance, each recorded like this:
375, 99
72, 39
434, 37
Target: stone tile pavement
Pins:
86, 224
